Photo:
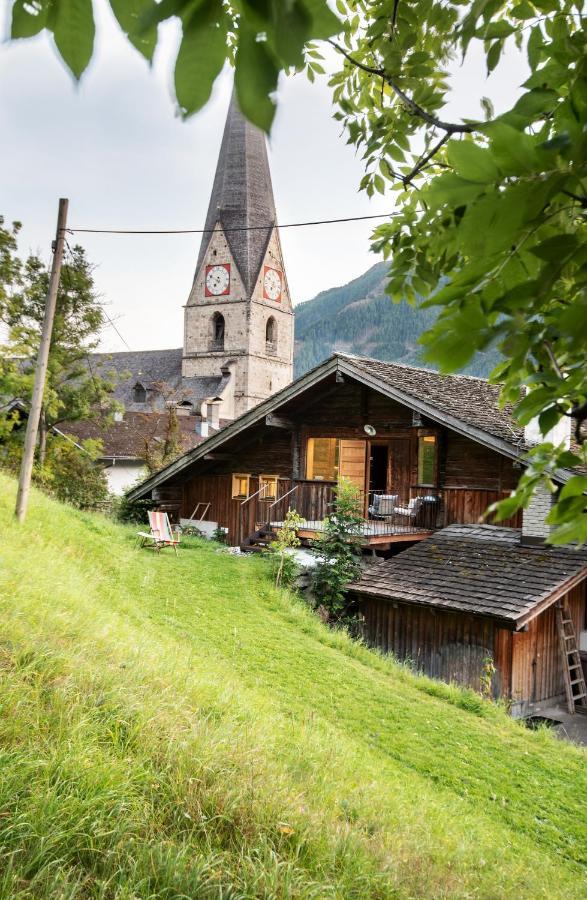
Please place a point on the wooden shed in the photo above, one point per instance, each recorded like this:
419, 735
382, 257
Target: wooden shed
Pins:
471, 596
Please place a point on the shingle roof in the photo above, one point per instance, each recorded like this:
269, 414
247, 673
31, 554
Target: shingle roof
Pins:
472, 400
242, 195
154, 369
477, 569
128, 438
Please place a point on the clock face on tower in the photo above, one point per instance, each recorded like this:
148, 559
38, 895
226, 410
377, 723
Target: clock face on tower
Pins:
218, 280
272, 284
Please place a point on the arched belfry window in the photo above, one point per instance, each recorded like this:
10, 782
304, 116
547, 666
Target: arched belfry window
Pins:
271, 335
139, 394
218, 331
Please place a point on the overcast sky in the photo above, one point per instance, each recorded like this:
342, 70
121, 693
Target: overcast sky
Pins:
115, 147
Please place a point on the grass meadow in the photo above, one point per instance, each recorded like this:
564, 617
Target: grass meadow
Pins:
178, 728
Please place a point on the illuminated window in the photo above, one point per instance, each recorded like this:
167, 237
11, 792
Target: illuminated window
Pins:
322, 459
269, 482
427, 460
240, 487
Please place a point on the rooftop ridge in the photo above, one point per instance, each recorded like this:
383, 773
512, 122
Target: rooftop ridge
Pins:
390, 362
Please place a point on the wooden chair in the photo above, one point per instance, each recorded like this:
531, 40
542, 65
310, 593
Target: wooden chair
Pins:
162, 534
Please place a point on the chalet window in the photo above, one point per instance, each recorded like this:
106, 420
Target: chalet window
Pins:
139, 394
269, 482
427, 446
322, 459
240, 487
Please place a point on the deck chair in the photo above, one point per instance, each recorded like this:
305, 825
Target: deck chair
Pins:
161, 534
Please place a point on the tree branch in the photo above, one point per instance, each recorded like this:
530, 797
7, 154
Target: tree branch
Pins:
425, 159
448, 127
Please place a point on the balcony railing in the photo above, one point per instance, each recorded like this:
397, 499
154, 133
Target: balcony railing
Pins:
271, 348
385, 514
215, 345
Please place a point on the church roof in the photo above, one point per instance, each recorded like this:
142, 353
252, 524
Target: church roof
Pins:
242, 196
159, 372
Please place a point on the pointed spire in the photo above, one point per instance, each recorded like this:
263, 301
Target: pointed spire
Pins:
242, 195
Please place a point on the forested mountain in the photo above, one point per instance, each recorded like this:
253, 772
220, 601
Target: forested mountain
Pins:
360, 318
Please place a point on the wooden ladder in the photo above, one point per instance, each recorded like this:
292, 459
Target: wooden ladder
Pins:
575, 687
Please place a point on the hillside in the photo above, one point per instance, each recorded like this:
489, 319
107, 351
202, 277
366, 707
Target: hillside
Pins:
179, 728
360, 318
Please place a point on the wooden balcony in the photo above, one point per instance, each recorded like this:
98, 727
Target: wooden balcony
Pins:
312, 500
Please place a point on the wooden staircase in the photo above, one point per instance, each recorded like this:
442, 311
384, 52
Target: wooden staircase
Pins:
259, 540
575, 687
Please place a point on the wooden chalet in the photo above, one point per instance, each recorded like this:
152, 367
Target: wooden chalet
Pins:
429, 453
426, 450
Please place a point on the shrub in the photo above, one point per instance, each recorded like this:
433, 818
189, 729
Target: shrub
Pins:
340, 550
72, 474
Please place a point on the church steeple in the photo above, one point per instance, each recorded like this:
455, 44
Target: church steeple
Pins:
239, 317
242, 196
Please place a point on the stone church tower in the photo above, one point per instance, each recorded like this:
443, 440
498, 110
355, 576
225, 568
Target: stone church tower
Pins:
239, 318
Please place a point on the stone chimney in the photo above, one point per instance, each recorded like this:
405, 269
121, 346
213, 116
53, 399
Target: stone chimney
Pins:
535, 530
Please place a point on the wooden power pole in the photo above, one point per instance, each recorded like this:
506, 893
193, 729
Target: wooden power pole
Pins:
32, 428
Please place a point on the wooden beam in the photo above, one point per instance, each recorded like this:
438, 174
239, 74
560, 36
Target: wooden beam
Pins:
279, 421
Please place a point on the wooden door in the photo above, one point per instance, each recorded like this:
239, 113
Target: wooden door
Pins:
400, 467
352, 457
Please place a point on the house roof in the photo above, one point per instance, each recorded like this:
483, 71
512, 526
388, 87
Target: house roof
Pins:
242, 196
472, 400
128, 438
477, 569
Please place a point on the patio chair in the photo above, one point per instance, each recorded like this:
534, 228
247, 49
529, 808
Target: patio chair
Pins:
408, 513
161, 534
383, 506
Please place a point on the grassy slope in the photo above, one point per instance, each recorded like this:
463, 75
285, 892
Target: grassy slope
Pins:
178, 728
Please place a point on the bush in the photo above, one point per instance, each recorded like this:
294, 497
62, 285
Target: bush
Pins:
133, 511
72, 474
340, 550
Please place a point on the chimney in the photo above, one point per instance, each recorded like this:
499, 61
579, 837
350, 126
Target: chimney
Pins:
535, 530
213, 412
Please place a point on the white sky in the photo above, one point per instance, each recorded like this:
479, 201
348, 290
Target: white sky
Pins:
115, 147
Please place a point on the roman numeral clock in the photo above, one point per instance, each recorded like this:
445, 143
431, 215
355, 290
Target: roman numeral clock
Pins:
272, 284
218, 280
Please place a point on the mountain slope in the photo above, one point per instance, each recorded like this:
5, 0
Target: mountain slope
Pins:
360, 318
179, 728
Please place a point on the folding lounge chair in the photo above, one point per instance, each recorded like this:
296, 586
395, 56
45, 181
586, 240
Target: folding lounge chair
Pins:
161, 533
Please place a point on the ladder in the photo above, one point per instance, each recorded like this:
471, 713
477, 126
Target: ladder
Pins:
575, 687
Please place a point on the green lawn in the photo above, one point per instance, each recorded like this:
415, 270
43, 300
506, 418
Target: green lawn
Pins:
178, 728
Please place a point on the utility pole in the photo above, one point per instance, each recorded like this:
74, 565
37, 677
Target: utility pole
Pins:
32, 428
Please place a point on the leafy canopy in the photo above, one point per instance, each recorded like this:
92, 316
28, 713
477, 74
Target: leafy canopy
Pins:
259, 37
492, 210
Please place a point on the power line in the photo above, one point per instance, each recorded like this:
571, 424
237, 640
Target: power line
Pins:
235, 228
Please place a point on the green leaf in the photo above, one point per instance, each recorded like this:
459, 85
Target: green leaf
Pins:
574, 487
29, 17
72, 24
129, 15
556, 248
493, 55
472, 162
255, 77
200, 59
324, 22
448, 188
514, 151
292, 30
